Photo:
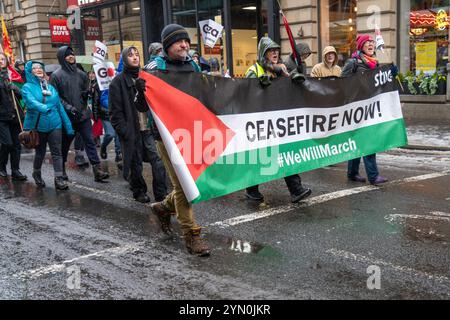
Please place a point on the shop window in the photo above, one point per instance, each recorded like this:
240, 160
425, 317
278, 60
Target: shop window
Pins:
130, 22
428, 36
338, 26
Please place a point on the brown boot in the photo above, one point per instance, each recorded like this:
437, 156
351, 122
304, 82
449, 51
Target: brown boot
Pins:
163, 216
195, 244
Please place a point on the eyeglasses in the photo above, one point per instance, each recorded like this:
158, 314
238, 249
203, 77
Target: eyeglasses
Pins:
36, 66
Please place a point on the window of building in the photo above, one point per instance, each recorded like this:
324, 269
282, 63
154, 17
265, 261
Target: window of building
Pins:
18, 5
130, 23
428, 36
2, 7
338, 26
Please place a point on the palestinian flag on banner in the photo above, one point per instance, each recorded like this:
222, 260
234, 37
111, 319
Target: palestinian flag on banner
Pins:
224, 135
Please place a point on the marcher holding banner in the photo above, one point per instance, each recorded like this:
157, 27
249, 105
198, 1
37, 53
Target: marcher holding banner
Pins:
269, 65
176, 43
362, 60
10, 123
329, 65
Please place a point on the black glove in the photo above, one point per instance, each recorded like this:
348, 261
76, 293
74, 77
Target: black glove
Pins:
140, 85
265, 80
14, 88
394, 70
298, 78
75, 113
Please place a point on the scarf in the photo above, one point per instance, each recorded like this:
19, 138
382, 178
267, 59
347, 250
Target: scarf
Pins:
369, 61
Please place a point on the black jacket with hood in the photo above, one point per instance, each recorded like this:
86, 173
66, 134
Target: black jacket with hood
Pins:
72, 86
124, 103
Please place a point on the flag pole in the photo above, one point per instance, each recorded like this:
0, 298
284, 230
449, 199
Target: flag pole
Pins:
297, 59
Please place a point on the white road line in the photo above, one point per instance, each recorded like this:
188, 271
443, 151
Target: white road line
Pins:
440, 213
373, 261
392, 217
101, 192
319, 199
36, 273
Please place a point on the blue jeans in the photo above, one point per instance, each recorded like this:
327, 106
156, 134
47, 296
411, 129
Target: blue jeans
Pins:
110, 134
370, 163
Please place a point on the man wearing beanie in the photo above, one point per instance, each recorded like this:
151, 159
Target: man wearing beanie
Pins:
176, 45
72, 86
126, 98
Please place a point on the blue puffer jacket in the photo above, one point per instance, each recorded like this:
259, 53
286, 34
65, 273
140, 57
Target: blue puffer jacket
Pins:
53, 115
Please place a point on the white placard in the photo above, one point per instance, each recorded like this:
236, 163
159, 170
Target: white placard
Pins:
99, 53
105, 73
211, 32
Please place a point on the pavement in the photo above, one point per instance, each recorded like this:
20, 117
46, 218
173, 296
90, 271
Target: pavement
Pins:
428, 136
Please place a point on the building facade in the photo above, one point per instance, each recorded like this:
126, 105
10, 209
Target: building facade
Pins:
415, 32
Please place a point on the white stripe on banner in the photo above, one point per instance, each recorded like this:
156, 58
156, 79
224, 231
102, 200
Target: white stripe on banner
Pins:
184, 176
343, 119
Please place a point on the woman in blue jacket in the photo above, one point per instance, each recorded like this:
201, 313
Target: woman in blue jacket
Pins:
45, 111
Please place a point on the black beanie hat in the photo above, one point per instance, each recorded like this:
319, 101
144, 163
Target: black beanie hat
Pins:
172, 33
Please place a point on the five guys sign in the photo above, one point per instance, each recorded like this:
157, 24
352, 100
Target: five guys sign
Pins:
59, 31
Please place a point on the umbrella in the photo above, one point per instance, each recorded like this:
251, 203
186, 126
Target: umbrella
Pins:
50, 68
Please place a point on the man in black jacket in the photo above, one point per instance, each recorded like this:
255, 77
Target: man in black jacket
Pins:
126, 98
72, 86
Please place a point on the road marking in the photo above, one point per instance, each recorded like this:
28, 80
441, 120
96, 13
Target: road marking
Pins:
36, 273
440, 213
378, 262
393, 217
101, 192
319, 199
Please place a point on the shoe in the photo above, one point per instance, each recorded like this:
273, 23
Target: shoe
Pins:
118, 157
195, 244
103, 153
254, 194
16, 175
303, 194
142, 198
61, 184
80, 161
38, 179
357, 178
99, 175
163, 216
379, 180
3, 173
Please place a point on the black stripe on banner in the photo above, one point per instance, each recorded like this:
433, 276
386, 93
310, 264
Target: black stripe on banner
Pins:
235, 96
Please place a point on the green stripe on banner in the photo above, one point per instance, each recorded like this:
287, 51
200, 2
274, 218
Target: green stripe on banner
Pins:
235, 172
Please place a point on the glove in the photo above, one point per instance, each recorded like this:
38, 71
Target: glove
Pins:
140, 85
265, 81
298, 78
394, 70
75, 113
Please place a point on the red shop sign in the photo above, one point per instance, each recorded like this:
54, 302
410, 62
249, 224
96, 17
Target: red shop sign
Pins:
91, 29
81, 3
59, 31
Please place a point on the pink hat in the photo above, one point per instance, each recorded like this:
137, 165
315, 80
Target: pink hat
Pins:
361, 39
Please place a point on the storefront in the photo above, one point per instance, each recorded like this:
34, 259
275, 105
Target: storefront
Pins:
122, 23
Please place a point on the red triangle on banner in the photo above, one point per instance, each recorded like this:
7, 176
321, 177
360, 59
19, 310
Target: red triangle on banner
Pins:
199, 134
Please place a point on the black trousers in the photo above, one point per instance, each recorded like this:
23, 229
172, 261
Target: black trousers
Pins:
136, 179
150, 154
294, 184
83, 128
54, 141
10, 146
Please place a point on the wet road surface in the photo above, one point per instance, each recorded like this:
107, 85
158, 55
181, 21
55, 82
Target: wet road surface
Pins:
96, 242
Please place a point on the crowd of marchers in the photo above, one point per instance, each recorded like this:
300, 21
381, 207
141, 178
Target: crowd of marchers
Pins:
66, 107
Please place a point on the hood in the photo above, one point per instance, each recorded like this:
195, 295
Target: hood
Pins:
265, 44
327, 50
154, 47
62, 61
28, 72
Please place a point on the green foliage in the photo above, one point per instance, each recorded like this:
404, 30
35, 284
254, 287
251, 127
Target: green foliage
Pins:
428, 84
